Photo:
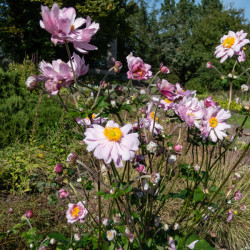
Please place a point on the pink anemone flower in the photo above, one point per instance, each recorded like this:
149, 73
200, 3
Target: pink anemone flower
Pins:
181, 92
138, 70
76, 212
167, 89
214, 123
149, 123
63, 25
112, 142
232, 44
190, 110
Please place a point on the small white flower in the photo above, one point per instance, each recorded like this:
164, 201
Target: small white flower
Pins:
176, 226
244, 87
111, 234
105, 221
151, 147
229, 202
79, 180
230, 75
113, 103
52, 241
31, 245
172, 159
166, 227
143, 92
77, 237
145, 185
237, 99
197, 168
237, 175
157, 221
128, 102
127, 231
117, 218
155, 177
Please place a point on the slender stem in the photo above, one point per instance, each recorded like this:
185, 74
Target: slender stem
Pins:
230, 94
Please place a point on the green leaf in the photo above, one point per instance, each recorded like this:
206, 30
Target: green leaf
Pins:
58, 237
203, 245
198, 195
181, 195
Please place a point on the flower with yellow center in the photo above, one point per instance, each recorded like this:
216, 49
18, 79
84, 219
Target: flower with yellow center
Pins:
228, 42
213, 122
168, 101
190, 114
75, 211
152, 115
113, 134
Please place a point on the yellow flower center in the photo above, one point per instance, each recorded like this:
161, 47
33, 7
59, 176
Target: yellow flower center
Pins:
109, 234
213, 122
75, 211
72, 27
152, 114
93, 116
167, 101
190, 114
229, 42
113, 134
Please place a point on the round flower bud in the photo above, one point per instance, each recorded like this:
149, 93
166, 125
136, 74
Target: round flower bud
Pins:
31, 82
29, 214
118, 90
177, 148
52, 241
77, 236
155, 177
172, 159
10, 211
58, 168
164, 69
72, 158
117, 67
209, 65
62, 193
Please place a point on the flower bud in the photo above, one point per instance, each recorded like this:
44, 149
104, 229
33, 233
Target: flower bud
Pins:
113, 103
141, 169
105, 221
31, 82
117, 67
58, 168
172, 159
143, 92
72, 158
155, 177
10, 211
52, 241
243, 207
118, 90
77, 236
164, 69
63, 193
209, 65
177, 148
196, 168
29, 214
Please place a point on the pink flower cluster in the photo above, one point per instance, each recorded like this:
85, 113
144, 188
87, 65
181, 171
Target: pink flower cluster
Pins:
206, 115
63, 25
